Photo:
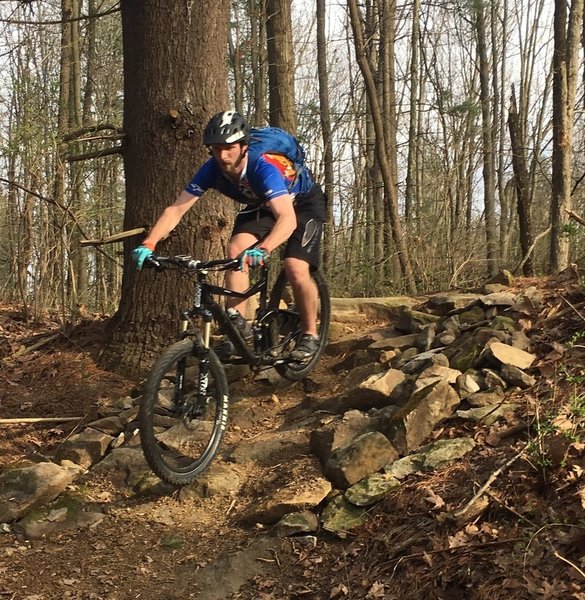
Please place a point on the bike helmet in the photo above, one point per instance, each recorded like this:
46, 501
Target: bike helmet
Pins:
226, 127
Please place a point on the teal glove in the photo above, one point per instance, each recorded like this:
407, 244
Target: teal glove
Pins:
253, 257
140, 254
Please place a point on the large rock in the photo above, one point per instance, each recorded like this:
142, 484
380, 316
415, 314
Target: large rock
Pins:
337, 432
22, 489
502, 354
365, 455
295, 496
85, 448
414, 422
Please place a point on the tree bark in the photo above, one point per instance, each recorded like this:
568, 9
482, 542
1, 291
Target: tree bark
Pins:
165, 111
567, 32
282, 112
521, 185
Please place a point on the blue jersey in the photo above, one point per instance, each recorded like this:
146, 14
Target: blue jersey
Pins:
265, 177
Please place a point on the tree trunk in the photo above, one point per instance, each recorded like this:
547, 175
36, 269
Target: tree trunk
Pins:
165, 111
280, 65
325, 117
521, 180
489, 174
565, 63
383, 159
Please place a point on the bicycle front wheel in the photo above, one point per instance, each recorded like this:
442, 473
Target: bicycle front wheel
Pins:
286, 327
183, 412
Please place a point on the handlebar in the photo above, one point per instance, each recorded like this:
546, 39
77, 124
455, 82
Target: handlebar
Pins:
190, 264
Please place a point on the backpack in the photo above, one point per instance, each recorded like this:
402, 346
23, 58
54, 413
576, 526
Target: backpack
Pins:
273, 140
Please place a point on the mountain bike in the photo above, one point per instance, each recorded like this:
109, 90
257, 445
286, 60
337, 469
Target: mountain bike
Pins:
185, 402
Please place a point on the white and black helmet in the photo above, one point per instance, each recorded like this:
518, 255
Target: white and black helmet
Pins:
227, 127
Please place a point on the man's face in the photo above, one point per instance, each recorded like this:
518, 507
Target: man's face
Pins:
229, 157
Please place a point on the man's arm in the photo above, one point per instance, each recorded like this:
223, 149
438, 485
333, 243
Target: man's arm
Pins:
169, 219
286, 222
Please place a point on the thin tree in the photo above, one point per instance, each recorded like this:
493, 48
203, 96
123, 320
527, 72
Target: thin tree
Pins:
381, 149
567, 34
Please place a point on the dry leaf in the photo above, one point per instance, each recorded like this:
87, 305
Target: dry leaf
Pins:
434, 499
376, 591
337, 591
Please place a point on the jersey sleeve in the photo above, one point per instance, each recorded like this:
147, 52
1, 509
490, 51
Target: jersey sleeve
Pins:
204, 179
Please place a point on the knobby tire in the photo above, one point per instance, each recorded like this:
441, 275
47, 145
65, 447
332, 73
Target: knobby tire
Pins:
281, 292
180, 445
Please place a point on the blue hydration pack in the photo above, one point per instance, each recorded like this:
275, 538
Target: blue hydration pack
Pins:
273, 140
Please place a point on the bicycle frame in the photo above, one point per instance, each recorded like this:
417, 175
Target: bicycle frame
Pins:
206, 307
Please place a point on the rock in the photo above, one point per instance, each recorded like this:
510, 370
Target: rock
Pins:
516, 377
338, 432
124, 466
219, 480
294, 496
371, 489
493, 380
110, 425
365, 455
412, 321
361, 373
421, 361
415, 421
490, 398
295, 523
340, 516
350, 343
395, 343
85, 448
505, 299
502, 354
442, 453
487, 415
65, 514
466, 385
25, 488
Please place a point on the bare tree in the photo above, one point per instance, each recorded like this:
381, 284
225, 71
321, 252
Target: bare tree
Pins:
567, 34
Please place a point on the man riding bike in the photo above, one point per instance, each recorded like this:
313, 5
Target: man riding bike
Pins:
282, 203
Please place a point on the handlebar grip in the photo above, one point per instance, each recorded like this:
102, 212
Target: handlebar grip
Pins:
152, 263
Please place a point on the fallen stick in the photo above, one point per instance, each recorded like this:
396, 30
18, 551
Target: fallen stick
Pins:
488, 483
39, 420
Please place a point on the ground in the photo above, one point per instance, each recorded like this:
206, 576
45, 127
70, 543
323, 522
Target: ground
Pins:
526, 535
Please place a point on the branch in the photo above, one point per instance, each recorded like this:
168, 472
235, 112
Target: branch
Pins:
73, 135
95, 154
576, 217
531, 249
39, 420
488, 483
61, 21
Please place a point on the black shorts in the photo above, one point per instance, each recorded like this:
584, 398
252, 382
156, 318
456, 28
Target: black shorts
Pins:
305, 242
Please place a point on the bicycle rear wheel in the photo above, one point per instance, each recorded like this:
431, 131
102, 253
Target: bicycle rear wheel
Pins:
286, 327
183, 412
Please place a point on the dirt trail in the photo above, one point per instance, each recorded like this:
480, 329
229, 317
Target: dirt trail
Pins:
528, 539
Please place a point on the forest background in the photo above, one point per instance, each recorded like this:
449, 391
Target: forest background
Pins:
448, 135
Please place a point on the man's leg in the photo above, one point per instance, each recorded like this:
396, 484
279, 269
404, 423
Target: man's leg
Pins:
305, 292
238, 281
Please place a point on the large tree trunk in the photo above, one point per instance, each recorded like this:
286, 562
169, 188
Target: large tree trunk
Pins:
280, 65
175, 77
